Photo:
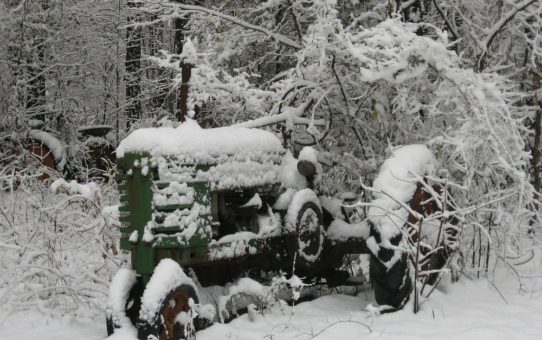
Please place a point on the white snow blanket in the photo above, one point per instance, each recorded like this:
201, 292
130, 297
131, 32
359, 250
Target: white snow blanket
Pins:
469, 310
237, 156
341, 231
90, 190
189, 138
57, 147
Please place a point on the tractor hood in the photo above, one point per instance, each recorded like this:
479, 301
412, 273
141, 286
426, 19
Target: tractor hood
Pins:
190, 139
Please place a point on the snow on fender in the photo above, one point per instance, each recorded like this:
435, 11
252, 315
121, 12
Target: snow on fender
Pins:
393, 188
119, 290
396, 182
304, 220
167, 276
298, 199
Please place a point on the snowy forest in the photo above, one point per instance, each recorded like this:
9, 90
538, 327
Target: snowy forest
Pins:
415, 127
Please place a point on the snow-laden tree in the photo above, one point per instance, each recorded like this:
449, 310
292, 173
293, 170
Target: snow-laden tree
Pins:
328, 79
353, 78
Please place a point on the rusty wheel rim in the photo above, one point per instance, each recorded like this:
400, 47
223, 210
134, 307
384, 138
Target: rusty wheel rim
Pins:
175, 303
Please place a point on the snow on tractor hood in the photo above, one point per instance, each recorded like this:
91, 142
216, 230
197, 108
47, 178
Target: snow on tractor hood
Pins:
190, 139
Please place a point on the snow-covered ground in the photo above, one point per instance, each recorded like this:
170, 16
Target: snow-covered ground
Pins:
466, 310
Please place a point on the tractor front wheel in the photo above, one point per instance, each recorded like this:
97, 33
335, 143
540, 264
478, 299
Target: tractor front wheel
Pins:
131, 302
176, 314
168, 304
306, 233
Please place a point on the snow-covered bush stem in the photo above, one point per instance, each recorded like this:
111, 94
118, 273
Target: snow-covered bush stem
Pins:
264, 296
53, 251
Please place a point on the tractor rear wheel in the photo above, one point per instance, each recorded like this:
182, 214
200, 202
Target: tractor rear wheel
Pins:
392, 286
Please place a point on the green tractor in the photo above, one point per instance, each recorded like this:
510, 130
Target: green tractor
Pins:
218, 202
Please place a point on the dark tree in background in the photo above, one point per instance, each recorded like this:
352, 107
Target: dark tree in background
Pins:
35, 103
182, 100
133, 64
27, 52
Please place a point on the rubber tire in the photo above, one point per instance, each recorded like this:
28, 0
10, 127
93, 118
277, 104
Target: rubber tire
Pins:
392, 287
145, 330
132, 312
109, 325
305, 266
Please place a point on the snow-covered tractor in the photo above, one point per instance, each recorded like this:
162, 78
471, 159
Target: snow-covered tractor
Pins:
211, 204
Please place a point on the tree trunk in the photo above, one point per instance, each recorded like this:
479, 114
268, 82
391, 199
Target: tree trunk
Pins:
537, 152
133, 66
35, 101
413, 12
155, 74
182, 101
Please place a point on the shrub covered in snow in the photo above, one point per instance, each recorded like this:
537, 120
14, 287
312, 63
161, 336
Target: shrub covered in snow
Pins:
57, 253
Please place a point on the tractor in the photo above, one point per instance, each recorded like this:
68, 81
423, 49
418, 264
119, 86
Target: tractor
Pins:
215, 203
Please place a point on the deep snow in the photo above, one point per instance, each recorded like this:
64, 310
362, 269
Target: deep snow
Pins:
468, 310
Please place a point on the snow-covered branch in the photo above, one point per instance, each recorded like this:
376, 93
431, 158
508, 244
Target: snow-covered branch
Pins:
493, 31
239, 22
290, 116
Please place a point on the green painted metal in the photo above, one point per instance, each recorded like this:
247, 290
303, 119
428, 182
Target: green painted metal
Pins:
190, 245
136, 210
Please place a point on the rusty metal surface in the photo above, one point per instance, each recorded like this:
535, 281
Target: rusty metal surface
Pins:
174, 304
431, 260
